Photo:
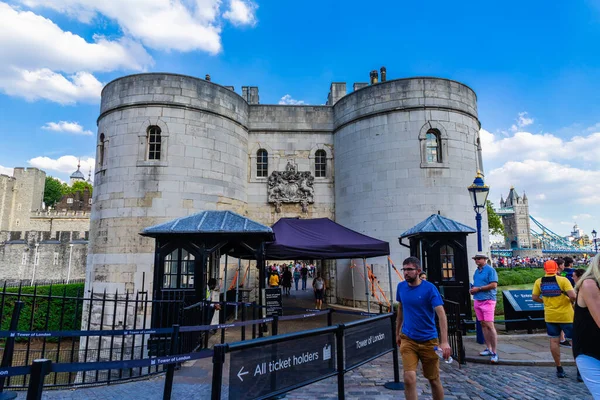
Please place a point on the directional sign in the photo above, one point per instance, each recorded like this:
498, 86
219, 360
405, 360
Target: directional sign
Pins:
262, 370
273, 301
366, 341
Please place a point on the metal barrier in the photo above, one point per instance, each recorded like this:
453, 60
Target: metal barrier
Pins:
267, 367
455, 330
41, 368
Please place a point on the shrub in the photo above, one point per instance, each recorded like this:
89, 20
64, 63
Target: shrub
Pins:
53, 308
518, 276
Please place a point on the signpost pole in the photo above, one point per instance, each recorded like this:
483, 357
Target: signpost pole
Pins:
340, 361
171, 367
366, 285
237, 287
217, 376
396, 385
391, 286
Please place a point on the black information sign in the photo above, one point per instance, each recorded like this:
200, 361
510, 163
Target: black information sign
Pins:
262, 370
366, 341
521, 300
273, 301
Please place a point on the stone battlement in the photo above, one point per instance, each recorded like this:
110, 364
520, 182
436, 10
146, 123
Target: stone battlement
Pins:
59, 214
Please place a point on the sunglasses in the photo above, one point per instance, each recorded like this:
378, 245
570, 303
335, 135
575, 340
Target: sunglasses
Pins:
408, 269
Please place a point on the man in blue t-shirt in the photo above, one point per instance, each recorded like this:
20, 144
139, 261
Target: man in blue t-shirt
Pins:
415, 329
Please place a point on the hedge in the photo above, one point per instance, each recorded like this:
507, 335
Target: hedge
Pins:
33, 317
518, 276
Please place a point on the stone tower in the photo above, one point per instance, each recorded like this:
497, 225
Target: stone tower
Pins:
19, 195
516, 224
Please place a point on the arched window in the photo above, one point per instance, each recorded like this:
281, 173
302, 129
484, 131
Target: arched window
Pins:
433, 147
154, 142
262, 163
447, 259
320, 164
101, 151
179, 270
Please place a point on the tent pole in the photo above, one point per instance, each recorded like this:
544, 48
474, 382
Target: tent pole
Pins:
366, 285
391, 291
352, 275
237, 287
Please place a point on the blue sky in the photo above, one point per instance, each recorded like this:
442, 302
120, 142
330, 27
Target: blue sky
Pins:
534, 65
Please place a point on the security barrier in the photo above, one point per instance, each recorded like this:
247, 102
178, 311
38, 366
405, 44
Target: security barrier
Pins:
266, 367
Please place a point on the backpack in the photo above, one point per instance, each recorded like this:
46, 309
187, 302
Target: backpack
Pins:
549, 287
319, 283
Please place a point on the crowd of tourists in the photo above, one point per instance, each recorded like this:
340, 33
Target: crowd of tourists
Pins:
532, 262
283, 275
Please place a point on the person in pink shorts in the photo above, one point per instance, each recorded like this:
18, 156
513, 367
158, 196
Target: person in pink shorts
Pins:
485, 281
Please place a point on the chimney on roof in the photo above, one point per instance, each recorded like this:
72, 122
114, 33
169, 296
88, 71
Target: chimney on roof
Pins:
207, 77
374, 76
383, 74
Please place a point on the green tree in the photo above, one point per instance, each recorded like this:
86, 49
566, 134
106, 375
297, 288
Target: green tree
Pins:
494, 221
53, 191
78, 186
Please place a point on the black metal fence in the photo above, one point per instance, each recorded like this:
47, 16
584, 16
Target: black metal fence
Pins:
64, 312
455, 330
40, 282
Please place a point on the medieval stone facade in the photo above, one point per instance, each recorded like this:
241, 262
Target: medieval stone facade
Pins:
38, 244
378, 160
516, 224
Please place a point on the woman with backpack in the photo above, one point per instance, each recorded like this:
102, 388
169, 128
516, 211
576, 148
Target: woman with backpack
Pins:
319, 289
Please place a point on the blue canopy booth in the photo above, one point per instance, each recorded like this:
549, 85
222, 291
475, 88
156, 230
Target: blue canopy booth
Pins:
188, 252
441, 245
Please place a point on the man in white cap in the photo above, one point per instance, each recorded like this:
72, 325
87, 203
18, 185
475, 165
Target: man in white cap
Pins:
485, 281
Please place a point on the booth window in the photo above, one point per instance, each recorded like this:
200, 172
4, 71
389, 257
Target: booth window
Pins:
262, 163
447, 259
154, 143
433, 147
320, 164
179, 270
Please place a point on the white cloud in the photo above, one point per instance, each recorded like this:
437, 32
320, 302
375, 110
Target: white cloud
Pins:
522, 121
41, 61
182, 25
6, 170
46, 84
68, 127
542, 146
582, 216
241, 12
64, 164
288, 100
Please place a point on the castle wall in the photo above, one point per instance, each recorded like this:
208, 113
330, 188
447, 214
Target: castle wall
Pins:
7, 185
38, 256
383, 184
290, 134
202, 167
27, 186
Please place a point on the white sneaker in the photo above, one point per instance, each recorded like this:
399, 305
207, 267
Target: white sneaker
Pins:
494, 359
486, 352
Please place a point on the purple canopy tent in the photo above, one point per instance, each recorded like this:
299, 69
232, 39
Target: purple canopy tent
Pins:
320, 238
323, 239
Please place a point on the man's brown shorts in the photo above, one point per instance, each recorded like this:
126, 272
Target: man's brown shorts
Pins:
412, 352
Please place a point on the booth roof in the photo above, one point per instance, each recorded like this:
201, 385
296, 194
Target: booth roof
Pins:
437, 224
321, 238
210, 222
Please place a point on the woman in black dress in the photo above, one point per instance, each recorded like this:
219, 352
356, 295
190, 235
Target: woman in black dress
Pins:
287, 280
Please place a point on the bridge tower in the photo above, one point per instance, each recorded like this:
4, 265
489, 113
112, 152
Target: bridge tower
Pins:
516, 224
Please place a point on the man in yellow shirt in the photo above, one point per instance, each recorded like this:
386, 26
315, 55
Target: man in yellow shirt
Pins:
557, 294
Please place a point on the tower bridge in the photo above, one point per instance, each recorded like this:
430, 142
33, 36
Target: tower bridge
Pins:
526, 236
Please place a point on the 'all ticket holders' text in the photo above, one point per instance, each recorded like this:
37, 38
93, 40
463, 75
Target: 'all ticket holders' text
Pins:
281, 364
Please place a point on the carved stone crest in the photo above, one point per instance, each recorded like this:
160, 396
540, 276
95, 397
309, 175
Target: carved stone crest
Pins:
291, 186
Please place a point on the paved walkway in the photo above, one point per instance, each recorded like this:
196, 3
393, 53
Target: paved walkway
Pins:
519, 350
527, 377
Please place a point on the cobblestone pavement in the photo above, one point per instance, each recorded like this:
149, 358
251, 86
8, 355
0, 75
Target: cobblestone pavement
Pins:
474, 381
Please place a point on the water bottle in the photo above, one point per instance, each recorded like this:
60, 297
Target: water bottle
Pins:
440, 354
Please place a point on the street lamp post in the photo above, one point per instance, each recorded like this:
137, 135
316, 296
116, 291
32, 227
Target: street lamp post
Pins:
478, 192
594, 233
